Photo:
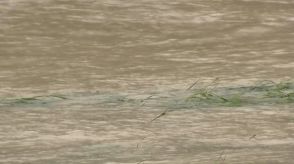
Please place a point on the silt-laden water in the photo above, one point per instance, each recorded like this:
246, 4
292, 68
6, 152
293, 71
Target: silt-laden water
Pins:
81, 81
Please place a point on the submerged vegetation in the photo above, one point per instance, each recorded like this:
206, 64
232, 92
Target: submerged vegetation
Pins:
264, 93
35, 100
261, 93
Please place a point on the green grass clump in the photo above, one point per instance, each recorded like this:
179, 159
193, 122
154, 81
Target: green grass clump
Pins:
266, 92
281, 92
209, 98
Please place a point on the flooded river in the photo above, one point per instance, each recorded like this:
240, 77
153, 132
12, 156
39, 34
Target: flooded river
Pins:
146, 82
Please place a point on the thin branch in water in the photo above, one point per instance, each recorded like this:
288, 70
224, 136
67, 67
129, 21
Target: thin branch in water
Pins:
160, 115
191, 86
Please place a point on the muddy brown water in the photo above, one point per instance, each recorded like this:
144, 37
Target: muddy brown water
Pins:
97, 52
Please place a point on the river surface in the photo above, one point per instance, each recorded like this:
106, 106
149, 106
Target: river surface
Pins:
83, 81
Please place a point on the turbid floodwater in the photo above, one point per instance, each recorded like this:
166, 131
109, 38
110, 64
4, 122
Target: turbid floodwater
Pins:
146, 82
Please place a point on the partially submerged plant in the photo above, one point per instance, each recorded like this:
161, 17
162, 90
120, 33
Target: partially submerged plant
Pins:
27, 100
282, 90
211, 95
37, 99
211, 98
266, 92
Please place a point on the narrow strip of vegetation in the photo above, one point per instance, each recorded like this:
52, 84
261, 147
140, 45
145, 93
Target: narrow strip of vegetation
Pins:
210, 95
264, 93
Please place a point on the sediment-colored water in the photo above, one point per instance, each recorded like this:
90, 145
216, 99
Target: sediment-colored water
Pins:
110, 81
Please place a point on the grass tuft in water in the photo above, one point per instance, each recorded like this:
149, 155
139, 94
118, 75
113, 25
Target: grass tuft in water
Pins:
27, 100
212, 98
264, 93
37, 99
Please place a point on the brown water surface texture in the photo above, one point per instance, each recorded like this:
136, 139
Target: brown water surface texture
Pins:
82, 80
